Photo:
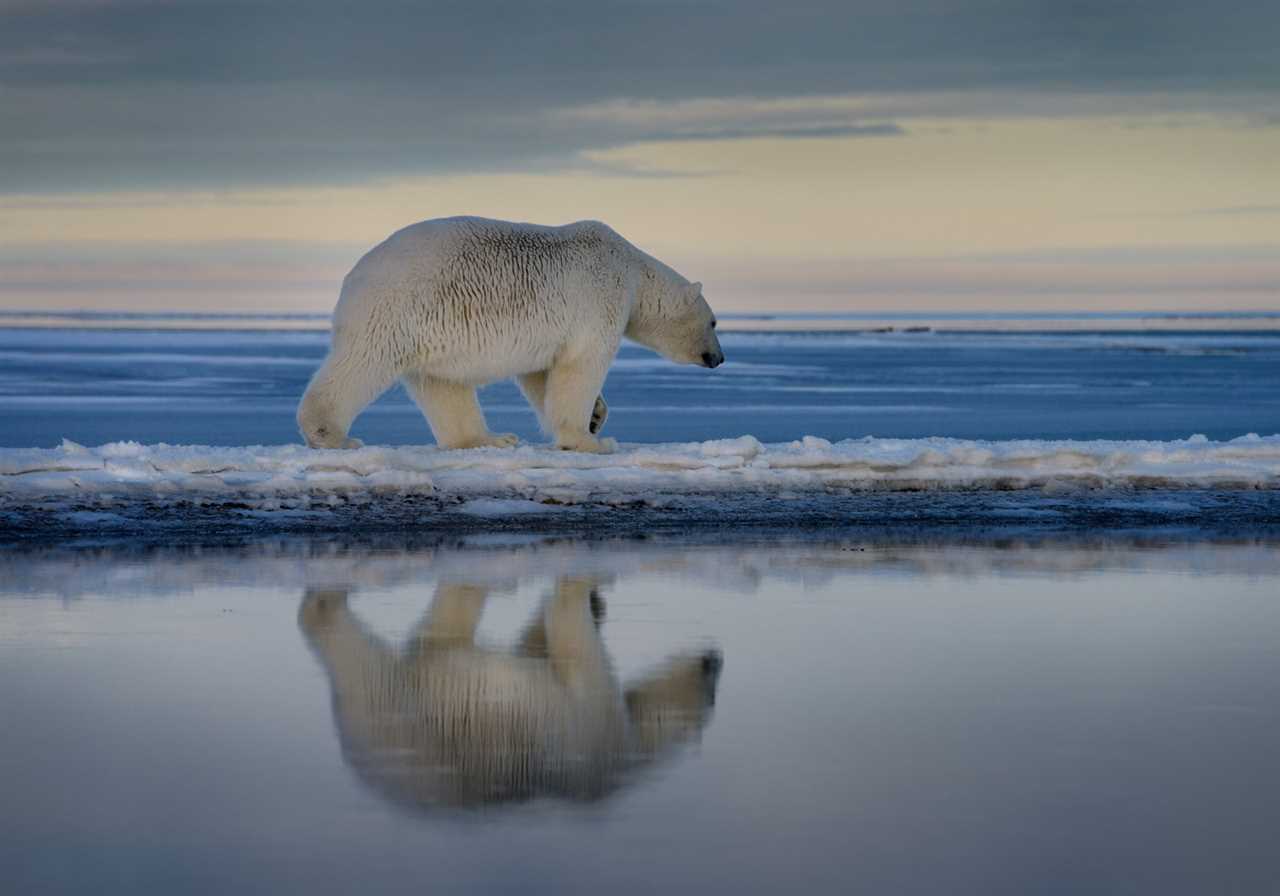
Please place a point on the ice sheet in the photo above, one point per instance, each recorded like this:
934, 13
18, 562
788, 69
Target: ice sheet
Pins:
264, 475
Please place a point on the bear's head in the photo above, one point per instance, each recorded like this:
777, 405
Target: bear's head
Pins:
681, 327
674, 705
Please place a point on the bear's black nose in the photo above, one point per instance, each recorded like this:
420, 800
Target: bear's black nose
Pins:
712, 360
712, 663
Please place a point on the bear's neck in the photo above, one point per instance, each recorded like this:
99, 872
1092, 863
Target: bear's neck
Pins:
655, 294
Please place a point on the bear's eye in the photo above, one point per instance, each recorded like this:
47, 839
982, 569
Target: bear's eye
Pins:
713, 325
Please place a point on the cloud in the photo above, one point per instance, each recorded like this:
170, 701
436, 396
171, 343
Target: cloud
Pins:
210, 136
133, 95
738, 118
579, 49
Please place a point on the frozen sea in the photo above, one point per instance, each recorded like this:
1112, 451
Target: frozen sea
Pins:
227, 387
981, 612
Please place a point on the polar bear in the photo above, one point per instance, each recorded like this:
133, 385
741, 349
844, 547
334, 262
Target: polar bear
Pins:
447, 722
450, 304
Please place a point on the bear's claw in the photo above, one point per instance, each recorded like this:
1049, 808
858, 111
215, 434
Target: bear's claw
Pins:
599, 414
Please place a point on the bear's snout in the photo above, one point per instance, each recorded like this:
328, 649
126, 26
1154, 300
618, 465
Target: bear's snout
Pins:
712, 359
711, 662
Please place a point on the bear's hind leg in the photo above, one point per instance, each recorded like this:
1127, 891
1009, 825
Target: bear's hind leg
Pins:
338, 391
453, 413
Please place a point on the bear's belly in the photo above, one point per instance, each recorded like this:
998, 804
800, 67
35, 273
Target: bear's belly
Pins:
497, 361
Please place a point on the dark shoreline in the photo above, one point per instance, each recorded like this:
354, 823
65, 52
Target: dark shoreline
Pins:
954, 516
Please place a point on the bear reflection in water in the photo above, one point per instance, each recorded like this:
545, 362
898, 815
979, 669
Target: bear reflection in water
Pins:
447, 723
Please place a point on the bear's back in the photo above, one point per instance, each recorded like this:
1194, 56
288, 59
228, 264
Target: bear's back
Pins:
485, 299
468, 255
490, 242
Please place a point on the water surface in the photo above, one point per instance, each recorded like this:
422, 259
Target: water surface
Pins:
899, 717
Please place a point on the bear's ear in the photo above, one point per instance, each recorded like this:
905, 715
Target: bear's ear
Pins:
695, 289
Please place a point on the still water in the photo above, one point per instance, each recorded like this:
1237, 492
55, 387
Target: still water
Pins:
1052, 717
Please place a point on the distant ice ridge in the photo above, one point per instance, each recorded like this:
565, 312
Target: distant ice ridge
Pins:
504, 481
741, 569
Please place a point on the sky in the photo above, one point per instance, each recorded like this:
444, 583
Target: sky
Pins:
918, 155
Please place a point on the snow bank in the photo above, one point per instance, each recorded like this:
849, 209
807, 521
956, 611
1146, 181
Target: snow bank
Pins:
268, 476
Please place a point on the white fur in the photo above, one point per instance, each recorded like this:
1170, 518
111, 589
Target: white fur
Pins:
450, 304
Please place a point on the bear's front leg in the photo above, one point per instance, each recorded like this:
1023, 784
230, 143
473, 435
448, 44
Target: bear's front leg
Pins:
534, 387
573, 388
573, 643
